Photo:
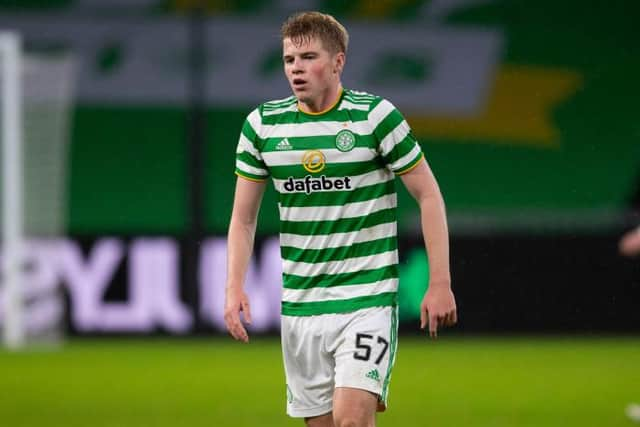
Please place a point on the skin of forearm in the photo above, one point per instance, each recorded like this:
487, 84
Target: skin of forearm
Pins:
240, 246
435, 232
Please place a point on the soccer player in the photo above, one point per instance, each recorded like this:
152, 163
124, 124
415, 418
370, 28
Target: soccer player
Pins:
333, 155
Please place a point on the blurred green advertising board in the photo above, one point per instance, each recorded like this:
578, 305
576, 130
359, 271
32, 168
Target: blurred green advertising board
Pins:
527, 113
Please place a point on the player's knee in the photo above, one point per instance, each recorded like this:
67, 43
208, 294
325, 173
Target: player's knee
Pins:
321, 421
351, 418
354, 408
347, 422
352, 421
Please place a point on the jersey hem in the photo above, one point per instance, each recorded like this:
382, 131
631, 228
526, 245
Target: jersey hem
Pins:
386, 299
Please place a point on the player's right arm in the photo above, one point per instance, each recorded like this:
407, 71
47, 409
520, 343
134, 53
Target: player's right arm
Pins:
242, 229
252, 174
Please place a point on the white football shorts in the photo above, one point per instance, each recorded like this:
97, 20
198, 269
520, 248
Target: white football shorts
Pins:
322, 352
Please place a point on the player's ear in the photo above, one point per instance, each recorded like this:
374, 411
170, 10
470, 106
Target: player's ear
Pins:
339, 62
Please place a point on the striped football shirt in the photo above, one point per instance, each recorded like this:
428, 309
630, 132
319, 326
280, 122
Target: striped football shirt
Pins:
334, 173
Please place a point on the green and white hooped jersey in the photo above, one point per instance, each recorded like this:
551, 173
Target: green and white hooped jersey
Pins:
334, 173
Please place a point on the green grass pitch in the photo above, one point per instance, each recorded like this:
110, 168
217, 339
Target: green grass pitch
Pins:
454, 381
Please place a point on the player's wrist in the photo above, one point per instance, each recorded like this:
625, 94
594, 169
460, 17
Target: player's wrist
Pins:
233, 287
440, 282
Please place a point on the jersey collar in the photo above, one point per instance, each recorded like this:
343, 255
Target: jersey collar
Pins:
331, 107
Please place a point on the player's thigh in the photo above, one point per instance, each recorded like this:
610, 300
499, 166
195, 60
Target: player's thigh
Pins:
366, 351
354, 407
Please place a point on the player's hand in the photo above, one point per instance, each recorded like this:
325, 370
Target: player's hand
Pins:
236, 301
438, 309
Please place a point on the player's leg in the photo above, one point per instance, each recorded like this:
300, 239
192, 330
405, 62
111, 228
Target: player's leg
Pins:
325, 420
364, 356
354, 408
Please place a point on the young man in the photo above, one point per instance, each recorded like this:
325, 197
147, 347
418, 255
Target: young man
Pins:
333, 155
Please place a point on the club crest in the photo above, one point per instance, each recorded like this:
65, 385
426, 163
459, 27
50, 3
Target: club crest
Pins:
345, 140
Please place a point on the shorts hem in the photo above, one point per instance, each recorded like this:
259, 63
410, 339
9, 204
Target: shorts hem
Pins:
382, 404
375, 390
312, 412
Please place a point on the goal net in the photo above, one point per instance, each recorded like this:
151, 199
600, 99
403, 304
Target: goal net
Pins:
36, 95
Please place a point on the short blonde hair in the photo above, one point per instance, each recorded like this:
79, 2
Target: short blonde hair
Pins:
304, 26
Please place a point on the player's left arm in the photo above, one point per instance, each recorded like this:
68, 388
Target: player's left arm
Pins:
438, 307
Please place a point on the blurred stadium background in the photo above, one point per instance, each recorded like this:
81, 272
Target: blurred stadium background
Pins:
526, 111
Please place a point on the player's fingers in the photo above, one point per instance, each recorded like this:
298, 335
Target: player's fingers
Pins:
235, 328
242, 333
433, 326
444, 320
423, 317
229, 320
232, 327
246, 311
234, 331
441, 320
447, 319
238, 332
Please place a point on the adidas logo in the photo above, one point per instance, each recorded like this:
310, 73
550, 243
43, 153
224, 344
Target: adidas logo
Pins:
373, 374
284, 145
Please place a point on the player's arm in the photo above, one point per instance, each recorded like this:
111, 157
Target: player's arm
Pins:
438, 306
630, 243
242, 229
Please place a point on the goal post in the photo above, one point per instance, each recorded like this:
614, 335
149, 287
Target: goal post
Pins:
36, 90
12, 203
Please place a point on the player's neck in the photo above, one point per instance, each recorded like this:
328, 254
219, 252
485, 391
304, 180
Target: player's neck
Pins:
324, 103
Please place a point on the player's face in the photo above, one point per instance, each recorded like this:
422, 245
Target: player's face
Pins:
312, 71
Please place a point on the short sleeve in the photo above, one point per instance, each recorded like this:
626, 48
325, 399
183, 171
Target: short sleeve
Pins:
249, 161
397, 146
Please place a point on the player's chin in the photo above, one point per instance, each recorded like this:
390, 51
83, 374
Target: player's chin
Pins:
302, 97
299, 90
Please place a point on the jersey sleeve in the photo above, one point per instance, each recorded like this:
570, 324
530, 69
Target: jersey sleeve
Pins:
397, 146
249, 162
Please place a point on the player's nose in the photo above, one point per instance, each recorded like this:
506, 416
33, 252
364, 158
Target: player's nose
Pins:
296, 66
